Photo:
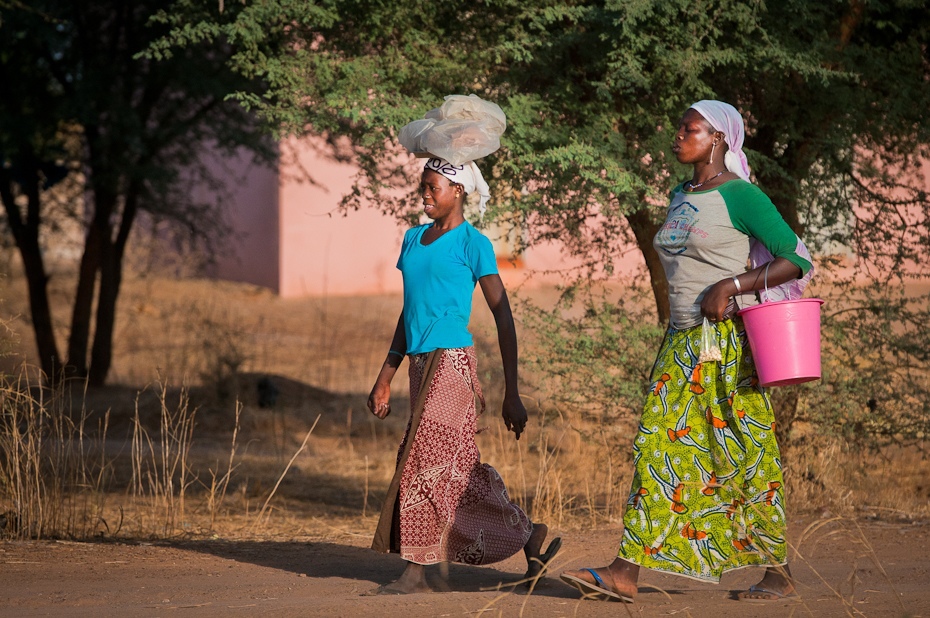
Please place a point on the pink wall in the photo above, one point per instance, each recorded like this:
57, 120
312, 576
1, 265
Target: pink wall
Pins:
326, 252
250, 254
291, 238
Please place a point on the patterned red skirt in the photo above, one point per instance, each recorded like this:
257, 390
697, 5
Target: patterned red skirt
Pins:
443, 503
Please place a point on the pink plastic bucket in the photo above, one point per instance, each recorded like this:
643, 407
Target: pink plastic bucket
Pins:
784, 338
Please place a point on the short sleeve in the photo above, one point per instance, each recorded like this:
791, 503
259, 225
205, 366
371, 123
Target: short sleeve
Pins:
753, 213
480, 255
409, 235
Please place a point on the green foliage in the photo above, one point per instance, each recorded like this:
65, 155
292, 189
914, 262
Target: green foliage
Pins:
834, 93
596, 348
593, 91
876, 376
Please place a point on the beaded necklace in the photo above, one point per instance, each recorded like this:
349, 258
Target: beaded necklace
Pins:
691, 186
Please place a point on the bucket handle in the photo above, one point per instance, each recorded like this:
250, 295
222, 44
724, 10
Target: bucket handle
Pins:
765, 280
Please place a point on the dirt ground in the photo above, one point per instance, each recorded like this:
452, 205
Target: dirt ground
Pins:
323, 356
837, 573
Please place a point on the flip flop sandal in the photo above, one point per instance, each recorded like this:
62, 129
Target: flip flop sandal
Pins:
543, 562
596, 590
779, 596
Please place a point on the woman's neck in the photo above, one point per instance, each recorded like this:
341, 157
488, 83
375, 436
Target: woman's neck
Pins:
449, 222
706, 176
703, 172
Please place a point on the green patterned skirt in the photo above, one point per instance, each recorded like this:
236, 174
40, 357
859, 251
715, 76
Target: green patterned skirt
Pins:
707, 493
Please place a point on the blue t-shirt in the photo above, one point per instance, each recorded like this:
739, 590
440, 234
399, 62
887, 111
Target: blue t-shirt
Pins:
439, 280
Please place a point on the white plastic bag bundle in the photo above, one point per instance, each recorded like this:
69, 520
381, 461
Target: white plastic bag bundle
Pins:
465, 128
710, 348
792, 290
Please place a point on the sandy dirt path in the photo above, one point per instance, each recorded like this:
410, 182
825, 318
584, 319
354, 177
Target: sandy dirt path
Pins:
837, 573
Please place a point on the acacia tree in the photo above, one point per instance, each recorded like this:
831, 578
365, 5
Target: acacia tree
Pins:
593, 91
77, 99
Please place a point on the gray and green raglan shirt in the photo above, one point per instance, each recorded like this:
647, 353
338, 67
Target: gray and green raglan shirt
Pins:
705, 238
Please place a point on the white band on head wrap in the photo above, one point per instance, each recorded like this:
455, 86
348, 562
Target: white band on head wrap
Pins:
468, 175
723, 117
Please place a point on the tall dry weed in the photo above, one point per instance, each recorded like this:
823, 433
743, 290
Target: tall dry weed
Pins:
216, 492
591, 352
161, 467
572, 468
54, 471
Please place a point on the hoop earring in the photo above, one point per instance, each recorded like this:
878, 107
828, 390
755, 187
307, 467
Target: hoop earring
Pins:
712, 148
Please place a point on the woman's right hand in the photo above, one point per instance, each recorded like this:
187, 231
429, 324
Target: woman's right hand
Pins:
379, 401
717, 299
514, 413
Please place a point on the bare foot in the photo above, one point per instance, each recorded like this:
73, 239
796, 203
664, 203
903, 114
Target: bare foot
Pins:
536, 560
775, 585
617, 581
411, 581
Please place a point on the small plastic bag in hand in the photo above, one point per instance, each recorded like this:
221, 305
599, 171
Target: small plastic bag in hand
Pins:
710, 349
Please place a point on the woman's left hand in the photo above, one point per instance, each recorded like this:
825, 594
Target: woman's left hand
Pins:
379, 401
514, 413
715, 301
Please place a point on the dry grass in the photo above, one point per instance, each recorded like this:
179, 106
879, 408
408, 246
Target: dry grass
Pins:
179, 445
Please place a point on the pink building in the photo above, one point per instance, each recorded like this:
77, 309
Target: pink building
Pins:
291, 238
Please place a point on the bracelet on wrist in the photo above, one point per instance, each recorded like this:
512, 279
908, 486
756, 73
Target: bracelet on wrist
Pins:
739, 288
395, 352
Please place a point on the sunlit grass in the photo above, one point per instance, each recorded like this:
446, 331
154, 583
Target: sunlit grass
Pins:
179, 446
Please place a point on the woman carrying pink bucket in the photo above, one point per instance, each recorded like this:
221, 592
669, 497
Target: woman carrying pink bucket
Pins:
707, 495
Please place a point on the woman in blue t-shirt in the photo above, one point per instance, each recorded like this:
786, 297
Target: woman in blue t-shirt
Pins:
443, 503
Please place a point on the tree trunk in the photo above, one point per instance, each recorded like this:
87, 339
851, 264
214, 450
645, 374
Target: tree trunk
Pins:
101, 354
83, 304
783, 191
111, 276
645, 229
26, 235
784, 194
98, 236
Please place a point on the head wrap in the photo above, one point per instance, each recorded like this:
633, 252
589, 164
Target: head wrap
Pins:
465, 128
723, 117
468, 175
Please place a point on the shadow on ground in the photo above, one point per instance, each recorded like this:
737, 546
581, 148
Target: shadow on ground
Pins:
326, 559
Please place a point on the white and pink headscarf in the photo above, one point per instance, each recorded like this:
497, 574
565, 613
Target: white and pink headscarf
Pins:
723, 117
468, 175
